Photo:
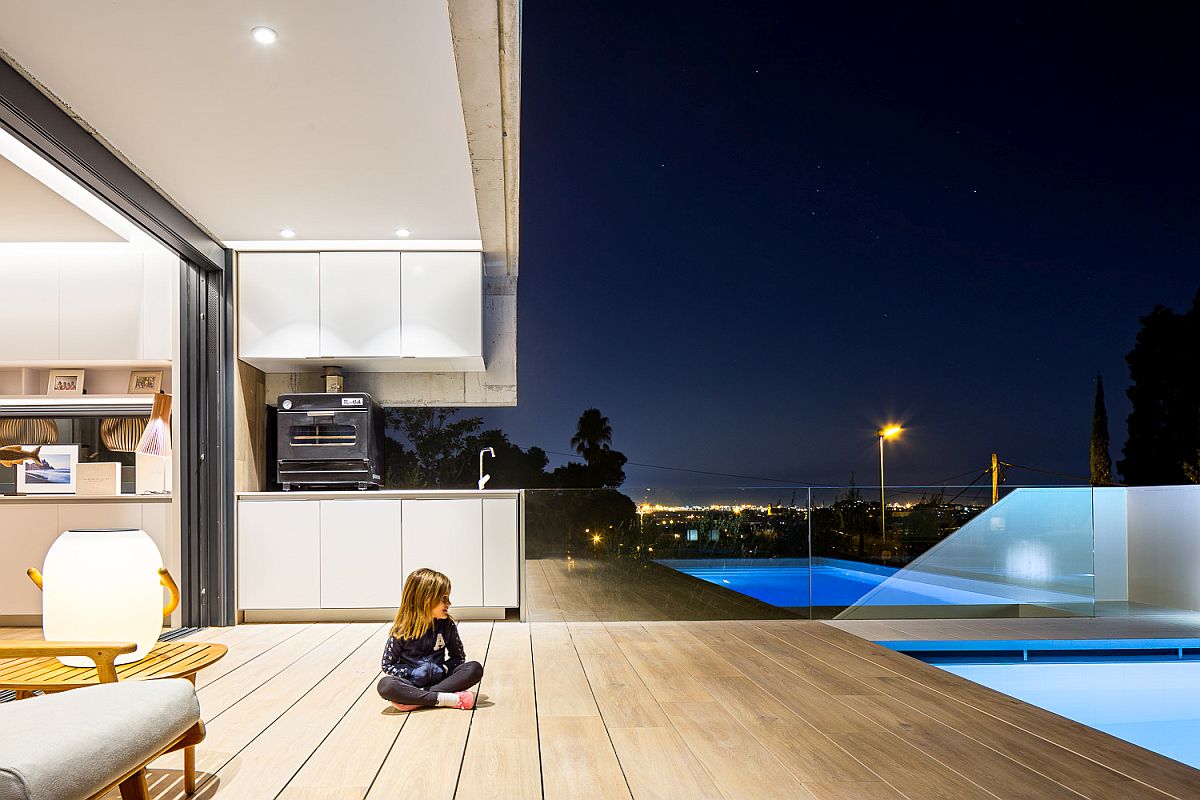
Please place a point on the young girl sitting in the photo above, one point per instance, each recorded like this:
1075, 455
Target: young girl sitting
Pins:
416, 671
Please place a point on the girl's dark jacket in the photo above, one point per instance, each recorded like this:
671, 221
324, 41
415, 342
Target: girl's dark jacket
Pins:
423, 661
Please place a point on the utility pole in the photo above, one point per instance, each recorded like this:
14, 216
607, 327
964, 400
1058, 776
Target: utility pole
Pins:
995, 479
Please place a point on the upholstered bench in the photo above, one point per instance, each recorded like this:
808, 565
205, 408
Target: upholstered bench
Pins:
82, 743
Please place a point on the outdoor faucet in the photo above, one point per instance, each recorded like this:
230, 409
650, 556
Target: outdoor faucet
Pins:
483, 479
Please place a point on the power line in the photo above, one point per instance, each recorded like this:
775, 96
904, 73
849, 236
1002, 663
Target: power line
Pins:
1056, 474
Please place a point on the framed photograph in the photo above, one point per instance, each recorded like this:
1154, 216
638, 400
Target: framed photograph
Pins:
53, 472
145, 381
65, 381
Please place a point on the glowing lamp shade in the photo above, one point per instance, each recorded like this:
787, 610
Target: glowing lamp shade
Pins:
103, 586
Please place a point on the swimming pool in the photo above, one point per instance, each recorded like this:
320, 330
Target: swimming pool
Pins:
1142, 691
835, 583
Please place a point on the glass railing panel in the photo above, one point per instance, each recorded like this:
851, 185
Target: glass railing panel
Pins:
856, 548
680, 553
1030, 554
800, 552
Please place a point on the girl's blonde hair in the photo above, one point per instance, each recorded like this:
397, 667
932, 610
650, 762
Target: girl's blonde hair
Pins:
423, 590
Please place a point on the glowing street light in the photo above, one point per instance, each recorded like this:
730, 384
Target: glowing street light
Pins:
887, 432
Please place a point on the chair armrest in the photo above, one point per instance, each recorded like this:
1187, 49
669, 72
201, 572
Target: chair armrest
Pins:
102, 653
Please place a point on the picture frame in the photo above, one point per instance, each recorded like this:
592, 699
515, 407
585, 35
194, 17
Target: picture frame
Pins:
55, 473
145, 381
65, 381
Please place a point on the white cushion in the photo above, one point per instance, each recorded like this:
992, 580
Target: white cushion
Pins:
69, 745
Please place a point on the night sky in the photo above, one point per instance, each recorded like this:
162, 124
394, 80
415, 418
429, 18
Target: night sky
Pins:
751, 233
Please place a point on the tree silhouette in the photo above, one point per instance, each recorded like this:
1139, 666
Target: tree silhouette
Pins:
602, 467
441, 448
592, 433
1101, 460
1164, 424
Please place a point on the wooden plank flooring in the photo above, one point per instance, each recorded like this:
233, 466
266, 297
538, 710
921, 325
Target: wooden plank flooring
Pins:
591, 590
574, 710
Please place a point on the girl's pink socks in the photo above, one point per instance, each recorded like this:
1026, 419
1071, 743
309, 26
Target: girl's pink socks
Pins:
466, 701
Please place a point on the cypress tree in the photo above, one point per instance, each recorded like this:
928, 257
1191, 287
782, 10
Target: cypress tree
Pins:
1101, 460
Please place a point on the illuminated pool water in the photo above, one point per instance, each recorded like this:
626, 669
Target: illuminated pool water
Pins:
833, 583
1145, 692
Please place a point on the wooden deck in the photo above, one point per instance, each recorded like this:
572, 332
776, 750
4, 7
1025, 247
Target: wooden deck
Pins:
598, 590
791, 709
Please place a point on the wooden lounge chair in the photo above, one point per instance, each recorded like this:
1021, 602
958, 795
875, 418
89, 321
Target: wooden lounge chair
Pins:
84, 742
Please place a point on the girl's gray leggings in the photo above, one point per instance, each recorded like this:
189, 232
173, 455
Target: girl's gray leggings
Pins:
398, 690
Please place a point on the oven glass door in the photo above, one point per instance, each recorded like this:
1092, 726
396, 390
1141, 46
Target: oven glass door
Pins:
322, 434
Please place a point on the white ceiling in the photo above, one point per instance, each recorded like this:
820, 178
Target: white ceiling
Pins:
32, 212
348, 127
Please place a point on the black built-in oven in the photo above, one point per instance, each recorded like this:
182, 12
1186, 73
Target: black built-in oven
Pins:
329, 441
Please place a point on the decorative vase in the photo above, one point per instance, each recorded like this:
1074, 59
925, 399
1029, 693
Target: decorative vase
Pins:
103, 585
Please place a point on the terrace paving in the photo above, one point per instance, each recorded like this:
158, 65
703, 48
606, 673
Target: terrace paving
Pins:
729, 709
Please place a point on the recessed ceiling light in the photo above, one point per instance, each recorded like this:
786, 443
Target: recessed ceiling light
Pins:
403, 233
287, 233
264, 35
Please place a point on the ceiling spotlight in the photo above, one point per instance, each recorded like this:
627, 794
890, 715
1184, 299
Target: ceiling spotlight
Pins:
287, 233
403, 233
264, 35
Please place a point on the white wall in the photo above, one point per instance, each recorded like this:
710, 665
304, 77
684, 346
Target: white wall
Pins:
1110, 527
1164, 546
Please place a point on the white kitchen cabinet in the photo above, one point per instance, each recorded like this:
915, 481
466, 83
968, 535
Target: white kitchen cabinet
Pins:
100, 306
360, 554
447, 536
501, 553
27, 531
279, 305
30, 282
279, 554
441, 301
360, 304
156, 522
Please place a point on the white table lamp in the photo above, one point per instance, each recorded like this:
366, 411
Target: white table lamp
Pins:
104, 585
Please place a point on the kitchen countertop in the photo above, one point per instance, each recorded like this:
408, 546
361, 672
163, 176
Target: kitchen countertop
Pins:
382, 494
85, 498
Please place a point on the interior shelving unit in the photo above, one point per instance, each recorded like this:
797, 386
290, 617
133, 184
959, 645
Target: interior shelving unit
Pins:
106, 383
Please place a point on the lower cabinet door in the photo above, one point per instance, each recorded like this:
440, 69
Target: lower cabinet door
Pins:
279, 554
501, 553
28, 530
360, 554
447, 536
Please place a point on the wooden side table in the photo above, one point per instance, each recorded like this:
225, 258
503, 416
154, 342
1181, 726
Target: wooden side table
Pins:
30, 671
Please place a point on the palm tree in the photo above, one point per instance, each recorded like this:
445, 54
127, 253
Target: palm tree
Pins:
592, 434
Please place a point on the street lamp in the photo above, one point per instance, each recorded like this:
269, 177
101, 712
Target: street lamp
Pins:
886, 432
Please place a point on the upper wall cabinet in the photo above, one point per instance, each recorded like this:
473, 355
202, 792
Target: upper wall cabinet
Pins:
441, 299
365, 312
84, 305
279, 305
360, 304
